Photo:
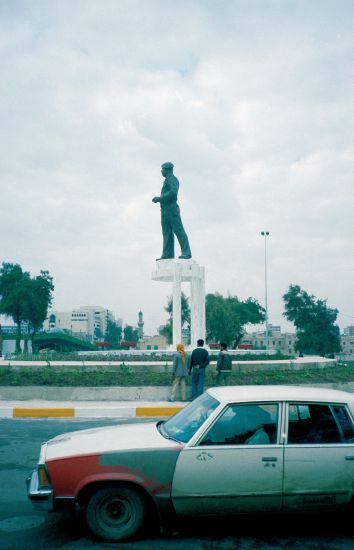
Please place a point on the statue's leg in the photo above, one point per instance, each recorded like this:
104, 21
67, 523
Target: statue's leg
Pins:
168, 250
180, 233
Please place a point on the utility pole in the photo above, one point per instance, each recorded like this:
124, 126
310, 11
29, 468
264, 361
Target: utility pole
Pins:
265, 234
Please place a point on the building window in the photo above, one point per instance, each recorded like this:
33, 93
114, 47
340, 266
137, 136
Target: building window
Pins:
156, 347
148, 347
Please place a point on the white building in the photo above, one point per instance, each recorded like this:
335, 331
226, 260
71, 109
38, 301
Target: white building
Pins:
88, 322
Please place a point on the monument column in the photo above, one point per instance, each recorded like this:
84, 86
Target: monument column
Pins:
177, 271
176, 304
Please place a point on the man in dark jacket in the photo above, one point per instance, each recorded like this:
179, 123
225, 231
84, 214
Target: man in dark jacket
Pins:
199, 362
223, 365
171, 222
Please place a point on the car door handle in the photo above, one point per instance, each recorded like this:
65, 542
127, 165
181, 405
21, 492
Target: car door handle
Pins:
349, 458
269, 459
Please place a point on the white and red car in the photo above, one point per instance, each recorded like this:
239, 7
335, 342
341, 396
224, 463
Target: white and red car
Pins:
240, 449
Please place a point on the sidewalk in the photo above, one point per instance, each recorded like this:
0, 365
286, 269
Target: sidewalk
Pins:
88, 409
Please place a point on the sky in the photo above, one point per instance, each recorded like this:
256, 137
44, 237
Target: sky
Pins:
253, 102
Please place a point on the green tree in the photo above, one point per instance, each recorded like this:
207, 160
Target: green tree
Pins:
131, 334
227, 317
14, 289
38, 300
316, 331
24, 298
166, 330
113, 334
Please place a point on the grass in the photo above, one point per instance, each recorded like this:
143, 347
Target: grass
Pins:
54, 376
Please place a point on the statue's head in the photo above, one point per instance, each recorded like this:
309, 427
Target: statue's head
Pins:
166, 168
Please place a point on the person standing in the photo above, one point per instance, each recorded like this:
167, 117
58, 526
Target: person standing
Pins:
181, 363
171, 222
199, 362
223, 365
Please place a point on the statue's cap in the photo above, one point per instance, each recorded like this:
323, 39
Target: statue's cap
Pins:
167, 165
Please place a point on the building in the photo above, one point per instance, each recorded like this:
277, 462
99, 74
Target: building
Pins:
87, 322
157, 342
349, 331
347, 344
281, 342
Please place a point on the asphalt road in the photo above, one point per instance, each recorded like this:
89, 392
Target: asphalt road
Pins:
22, 528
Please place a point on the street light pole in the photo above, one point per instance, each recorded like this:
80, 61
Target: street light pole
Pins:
265, 234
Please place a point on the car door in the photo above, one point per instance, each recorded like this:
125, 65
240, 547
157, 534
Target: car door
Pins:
235, 466
318, 456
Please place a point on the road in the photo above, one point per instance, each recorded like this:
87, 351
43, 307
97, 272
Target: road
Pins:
22, 528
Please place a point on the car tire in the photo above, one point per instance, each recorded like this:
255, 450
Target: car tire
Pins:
115, 513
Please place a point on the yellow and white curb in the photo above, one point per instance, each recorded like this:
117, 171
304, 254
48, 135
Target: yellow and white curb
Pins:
89, 412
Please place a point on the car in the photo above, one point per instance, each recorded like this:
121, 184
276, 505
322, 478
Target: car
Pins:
233, 450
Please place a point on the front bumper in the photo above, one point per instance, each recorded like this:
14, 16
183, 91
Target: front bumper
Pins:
41, 498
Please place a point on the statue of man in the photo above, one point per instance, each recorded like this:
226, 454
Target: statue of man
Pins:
171, 222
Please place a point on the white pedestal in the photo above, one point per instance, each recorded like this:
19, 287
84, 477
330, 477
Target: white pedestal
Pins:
178, 271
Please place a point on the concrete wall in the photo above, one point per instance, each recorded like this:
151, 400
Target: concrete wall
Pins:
118, 393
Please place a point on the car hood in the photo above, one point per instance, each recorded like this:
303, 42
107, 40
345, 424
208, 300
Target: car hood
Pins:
112, 438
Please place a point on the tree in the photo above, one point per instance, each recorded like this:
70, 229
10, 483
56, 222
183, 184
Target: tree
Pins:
14, 288
24, 298
113, 334
314, 321
38, 300
131, 334
166, 330
226, 317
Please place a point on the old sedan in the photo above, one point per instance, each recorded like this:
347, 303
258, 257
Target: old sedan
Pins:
240, 449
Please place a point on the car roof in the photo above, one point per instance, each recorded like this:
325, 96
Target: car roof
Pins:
279, 393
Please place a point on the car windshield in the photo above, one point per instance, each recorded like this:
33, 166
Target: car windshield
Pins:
183, 425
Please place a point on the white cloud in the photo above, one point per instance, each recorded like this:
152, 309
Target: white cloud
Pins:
253, 104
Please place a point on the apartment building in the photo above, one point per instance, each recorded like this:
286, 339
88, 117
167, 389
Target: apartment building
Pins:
281, 342
87, 322
347, 343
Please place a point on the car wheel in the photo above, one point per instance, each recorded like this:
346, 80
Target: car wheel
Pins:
115, 513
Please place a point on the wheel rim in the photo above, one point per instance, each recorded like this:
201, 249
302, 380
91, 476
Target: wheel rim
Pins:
116, 512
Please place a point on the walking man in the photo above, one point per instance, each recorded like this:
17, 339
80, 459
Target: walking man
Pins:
171, 222
199, 362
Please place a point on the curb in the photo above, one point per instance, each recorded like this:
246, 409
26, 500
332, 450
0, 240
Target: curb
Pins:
88, 412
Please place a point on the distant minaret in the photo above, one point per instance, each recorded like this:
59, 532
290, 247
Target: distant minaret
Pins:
141, 325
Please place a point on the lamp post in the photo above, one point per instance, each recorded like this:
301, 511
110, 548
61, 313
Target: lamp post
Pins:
265, 234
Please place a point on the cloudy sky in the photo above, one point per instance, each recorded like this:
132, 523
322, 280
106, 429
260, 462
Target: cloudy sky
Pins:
252, 100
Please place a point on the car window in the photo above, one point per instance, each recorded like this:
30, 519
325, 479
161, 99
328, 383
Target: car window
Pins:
183, 425
345, 423
312, 423
246, 424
